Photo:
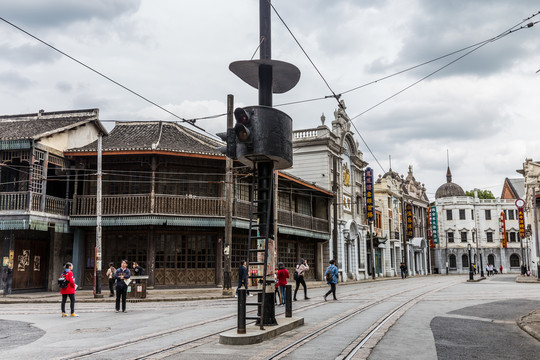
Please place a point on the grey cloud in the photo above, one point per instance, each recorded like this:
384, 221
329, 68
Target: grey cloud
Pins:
64, 87
53, 13
28, 54
14, 80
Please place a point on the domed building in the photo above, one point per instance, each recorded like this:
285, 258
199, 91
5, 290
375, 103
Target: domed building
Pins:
449, 189
463, 220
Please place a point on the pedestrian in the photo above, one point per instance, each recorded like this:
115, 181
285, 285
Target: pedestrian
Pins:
137, 271
69, 290
487, 270
331, 274
301, 269
242, 276
403, 269
282, 276
110, 274
491, 270
501, 268
122, 276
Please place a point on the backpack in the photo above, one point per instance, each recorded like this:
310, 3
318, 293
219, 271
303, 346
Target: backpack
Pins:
62, 281
295, 276
329, 276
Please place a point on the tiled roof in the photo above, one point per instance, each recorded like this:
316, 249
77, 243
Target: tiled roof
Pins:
154, 135
518, 186
41, 124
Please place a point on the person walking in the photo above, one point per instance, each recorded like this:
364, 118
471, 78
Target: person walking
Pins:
69, 290
110, 274
403, 269
242, 277
331, 274
301, 268
501, 269
282, 276
121, 275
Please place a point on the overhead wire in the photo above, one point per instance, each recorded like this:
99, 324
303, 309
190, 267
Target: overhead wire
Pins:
189, 121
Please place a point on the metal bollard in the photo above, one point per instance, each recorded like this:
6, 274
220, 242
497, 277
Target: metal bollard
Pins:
241, 329
288, 301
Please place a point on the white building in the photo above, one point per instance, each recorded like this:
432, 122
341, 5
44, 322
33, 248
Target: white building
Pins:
330, 159
464, 220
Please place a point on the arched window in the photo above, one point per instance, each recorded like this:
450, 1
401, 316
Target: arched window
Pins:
491, 259
464, 261
452, 263
514, 260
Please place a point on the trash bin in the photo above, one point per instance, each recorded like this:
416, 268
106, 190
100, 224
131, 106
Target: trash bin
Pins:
137, 287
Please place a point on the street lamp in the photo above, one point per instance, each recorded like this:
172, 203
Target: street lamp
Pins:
470, 262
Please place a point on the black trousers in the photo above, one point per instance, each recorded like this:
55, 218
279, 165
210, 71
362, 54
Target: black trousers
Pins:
300, 280
332, 291
111, 286
71, 302
121, 292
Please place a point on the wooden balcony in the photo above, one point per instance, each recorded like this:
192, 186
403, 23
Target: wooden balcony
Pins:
18, 202
126, 205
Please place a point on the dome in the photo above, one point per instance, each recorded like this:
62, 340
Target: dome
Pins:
449, 189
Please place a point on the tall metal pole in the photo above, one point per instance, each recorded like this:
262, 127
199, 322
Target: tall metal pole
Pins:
227, 281
536, 234
372, 251
335, 219
97, 292
470, 263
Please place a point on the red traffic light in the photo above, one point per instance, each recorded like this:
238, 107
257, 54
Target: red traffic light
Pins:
241, 116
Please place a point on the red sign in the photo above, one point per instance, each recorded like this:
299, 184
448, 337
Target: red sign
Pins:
409, 212
369, 194
521, 218
502, 229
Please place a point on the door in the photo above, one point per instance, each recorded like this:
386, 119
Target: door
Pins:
30, 264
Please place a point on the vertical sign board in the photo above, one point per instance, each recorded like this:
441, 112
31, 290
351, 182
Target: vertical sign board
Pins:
433, 225
408, 211
369, 194
502, 229
520, 203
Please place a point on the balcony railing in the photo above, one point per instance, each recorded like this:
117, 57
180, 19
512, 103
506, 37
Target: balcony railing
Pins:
119, 205
18, 201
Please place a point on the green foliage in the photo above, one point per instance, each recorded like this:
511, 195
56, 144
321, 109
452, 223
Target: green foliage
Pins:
482, 194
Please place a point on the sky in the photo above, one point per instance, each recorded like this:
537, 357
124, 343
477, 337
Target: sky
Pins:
480, 109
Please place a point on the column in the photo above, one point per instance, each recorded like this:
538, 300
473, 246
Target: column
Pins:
78, 252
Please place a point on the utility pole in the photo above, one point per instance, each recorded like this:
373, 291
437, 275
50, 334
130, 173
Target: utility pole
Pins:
227, 281
536, 233
97, 290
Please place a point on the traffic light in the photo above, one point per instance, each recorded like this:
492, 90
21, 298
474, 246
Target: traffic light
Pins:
242, 128
230, 138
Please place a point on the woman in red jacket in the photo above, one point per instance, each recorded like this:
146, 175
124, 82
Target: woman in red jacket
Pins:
69, 290
282, 276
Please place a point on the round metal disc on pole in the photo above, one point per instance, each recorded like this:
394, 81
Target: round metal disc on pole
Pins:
285, 75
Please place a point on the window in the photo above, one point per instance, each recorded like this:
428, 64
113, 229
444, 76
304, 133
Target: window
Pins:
448, 214
488, 214
463, 236
472, 214
512, 237
511, 215
464, 261
452, 263
491, 259
514, 260
461, 214
450, 236
489, 236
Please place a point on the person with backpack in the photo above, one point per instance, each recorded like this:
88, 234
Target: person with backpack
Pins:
301, 268
403, 269
110, 275
67, 289
121, 275
331, 274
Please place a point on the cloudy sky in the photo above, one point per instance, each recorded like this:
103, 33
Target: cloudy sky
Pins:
482, 108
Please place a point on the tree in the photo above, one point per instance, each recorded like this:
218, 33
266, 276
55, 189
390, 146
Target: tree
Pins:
482, 194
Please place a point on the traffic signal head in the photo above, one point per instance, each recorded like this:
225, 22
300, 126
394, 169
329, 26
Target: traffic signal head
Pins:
230, 138
242, 128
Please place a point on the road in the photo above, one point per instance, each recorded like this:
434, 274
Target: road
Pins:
430, 317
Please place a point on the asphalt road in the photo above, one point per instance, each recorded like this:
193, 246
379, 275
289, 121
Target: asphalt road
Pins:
452, 319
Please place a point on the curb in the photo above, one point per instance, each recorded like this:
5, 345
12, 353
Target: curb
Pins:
526, 322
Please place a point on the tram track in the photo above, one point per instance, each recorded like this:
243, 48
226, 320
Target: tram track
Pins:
203, 339
358, 344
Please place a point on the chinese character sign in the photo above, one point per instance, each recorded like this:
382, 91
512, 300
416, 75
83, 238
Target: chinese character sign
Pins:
369, 194
434, 226
409, 212
521, 218
502, 229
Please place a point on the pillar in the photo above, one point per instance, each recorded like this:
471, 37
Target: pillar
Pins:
78, 252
